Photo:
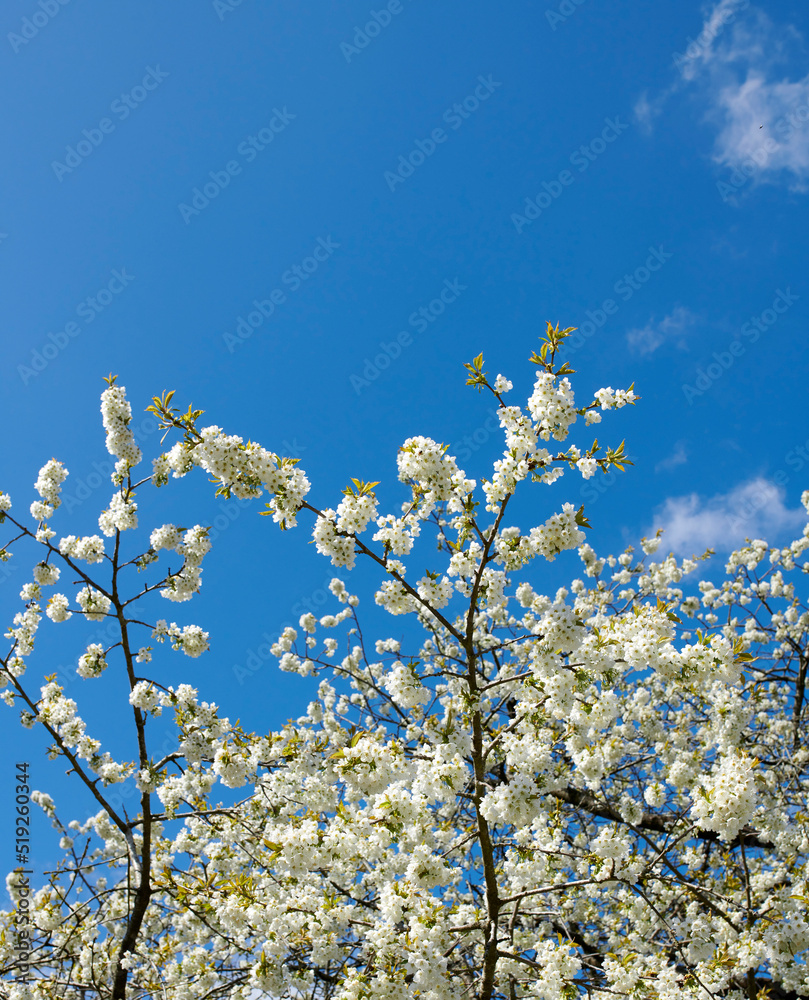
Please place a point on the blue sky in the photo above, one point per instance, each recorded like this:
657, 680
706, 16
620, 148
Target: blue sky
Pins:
305, 221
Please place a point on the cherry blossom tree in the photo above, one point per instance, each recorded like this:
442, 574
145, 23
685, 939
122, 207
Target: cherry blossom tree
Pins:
601, 791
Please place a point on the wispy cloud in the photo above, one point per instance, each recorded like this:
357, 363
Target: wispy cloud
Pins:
678, 457
672, 328
736, 67
646, 111
699, 51
764, 123
753, 509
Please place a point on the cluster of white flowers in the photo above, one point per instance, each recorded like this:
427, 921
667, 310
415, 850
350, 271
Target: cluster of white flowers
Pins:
365, 769
404, 686
655, 795
190, 638
436, 593
89, 549
521, 456
398, 532
225, 456
178, 462
387, 646
355, 512
112, 772
593, 566
612, 846
587, 466
394, 598
233, 765
92, 663
169, 536
614, 399
507, 473
338, 588
558, 534
651, 545
465, 562
642, 639
117, 415
49, 483
146, 696
121, 515
560, 628
57, 609
522, 437
41, 511
5, 503
24, 629
192, 545
246, 469
60, 713
93, 603
308, 622
339, 548
46, 574
434, 476
285, 642
552, 406
516, 803
726, 800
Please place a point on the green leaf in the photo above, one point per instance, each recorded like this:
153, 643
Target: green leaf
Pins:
362, 488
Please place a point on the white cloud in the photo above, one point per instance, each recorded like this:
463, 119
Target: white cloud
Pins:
765, 128
699, 51
736, 67
754, 509
646, 111
647, 339
678, 457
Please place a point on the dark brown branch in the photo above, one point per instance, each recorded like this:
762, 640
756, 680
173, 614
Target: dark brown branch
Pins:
660, 823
